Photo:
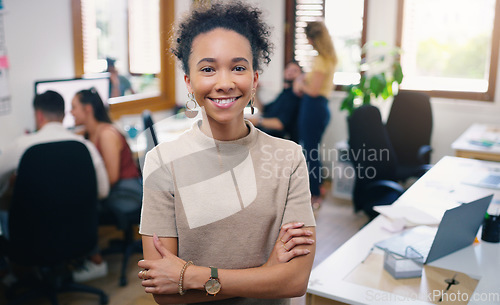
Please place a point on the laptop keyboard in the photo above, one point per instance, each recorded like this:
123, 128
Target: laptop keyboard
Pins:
422, 247
418, 239
491, 180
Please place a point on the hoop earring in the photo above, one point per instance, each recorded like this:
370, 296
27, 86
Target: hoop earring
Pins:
191, 112
252, 101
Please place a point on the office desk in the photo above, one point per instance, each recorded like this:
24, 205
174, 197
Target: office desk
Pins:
438, 190
479, 141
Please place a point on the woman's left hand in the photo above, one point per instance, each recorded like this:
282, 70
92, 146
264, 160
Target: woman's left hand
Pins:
161, 276
285, 248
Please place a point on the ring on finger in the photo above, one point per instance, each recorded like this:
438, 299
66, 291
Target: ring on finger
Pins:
144, 273
284, 247
282, 241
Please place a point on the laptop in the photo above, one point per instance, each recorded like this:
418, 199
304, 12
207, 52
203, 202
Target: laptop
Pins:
457, 229
486, 180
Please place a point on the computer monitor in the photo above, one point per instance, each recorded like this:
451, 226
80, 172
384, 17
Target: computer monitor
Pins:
67, 88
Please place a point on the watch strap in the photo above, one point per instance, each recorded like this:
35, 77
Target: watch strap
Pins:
214, 273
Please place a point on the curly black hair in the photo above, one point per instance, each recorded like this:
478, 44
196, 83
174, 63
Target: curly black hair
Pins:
235, 16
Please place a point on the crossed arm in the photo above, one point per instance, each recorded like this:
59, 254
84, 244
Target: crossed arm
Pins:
290, 262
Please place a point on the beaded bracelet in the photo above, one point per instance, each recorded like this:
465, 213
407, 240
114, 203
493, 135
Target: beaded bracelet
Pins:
181, 278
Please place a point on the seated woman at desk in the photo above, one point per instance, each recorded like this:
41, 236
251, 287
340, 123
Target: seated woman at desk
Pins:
125, 196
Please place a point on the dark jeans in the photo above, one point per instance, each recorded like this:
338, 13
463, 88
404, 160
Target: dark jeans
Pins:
314, 116
4, 223
125, 201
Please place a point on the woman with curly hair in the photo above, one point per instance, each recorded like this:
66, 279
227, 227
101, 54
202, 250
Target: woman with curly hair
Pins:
226, 213
314, 114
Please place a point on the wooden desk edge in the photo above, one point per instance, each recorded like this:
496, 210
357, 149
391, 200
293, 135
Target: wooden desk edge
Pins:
312, 299
486, 156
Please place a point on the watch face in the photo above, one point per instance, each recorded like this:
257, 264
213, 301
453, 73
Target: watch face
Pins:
212, 286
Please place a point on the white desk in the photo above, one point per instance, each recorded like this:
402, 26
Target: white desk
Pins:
166, 130
479, 141
436, 191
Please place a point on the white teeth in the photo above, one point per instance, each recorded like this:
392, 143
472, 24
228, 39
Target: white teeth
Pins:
224, 101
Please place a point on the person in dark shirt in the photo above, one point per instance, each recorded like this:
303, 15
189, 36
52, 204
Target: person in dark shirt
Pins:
119, 85
279, 117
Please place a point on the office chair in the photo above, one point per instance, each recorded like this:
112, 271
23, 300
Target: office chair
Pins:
409, 127
151, 138
53, 218
150, 134
374, 161
125, 222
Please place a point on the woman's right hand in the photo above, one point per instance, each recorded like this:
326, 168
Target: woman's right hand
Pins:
291, 235
161, 276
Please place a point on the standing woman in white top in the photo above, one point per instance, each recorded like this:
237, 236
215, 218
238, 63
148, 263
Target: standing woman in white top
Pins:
216, 198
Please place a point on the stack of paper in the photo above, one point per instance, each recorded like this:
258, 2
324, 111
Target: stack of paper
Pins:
412, 216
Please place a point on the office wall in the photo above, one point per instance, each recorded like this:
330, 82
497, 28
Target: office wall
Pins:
40, 46
39, 42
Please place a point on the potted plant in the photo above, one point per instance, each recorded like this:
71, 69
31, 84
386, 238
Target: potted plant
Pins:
381, 76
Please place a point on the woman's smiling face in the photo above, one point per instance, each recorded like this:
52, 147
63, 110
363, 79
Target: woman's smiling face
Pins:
221, 74
79, 111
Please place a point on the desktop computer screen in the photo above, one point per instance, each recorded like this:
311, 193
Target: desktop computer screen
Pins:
67, 88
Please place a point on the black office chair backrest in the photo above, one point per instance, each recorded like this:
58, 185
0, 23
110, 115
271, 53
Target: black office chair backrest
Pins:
372, 156
409, 126
369, 145
149, 130
374, 161
53, 216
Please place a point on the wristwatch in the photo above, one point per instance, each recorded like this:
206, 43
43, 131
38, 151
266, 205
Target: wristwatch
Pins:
212, 286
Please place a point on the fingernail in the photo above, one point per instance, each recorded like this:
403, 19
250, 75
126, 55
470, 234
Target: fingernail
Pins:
307, 251
155, 236
311, 241
309, 232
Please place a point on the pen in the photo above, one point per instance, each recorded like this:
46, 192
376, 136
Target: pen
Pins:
450, 282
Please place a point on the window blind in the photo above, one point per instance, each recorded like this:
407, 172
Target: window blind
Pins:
306, 11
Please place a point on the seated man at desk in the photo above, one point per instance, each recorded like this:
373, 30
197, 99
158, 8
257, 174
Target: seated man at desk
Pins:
49, 114
279, 117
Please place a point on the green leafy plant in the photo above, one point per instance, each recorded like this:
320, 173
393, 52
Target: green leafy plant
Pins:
381, 75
